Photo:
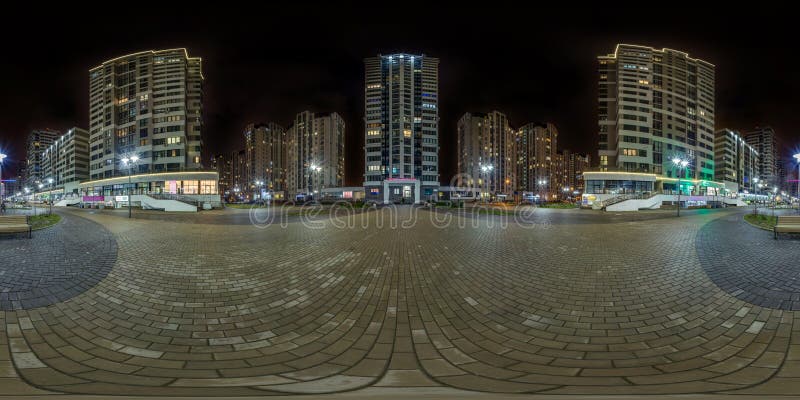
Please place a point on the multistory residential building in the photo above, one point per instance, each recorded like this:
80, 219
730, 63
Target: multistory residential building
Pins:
265, 150
655, 105
148, 104
66, 161
401, 128
486, 153
38, 141
314, 153
736, 162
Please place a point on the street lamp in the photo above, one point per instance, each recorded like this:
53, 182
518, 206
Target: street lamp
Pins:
129, 162
542, 183
680, 164
797, 157
2, 186
50, 195
486, 169
315, 170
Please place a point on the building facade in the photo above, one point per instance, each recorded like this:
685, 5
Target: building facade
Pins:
765, 142
536, 159
736, 162
655, 105
486, 153
38, 141
265, 150
314, 153
223, 164
66, 161
401, 143
147, 104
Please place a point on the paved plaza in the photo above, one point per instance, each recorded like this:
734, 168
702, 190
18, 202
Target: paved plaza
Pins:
557, 302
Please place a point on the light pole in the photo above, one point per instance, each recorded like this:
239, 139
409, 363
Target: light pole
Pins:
129, 162
2, 185
50, 195
680, 164
797, 157
542, 183
486, 169
315, 170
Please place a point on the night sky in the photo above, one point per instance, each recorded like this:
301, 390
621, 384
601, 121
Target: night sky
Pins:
268, 64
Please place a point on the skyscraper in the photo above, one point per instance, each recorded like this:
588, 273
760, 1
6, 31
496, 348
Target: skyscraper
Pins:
765, 142
486, 153
402, 127
265, 149
314, 153
38, 141
655, 105
148, 104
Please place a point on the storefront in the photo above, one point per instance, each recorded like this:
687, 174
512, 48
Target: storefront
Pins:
176, 183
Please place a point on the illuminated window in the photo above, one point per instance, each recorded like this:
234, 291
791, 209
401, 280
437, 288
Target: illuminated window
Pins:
407, 132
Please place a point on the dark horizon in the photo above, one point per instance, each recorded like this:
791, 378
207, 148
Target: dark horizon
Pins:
270, 68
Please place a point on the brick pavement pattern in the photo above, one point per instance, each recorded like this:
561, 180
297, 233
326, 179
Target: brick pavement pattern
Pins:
610, 305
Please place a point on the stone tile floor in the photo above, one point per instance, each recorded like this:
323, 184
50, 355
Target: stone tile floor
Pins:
610, 304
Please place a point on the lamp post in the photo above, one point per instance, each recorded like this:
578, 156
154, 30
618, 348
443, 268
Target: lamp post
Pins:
486, 170
680, 164
2, 185
542, 183
129, 162
797, 157
315, 170
50, 194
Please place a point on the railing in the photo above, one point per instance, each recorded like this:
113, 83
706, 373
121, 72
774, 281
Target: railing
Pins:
177, 197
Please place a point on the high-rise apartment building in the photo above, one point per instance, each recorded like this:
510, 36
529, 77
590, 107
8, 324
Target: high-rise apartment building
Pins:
655, 105
148, 104
736, 162
38, 141
66, 160
536, 162
265, 149
486, 153
223, 164
314, 153
764, 140
401, 143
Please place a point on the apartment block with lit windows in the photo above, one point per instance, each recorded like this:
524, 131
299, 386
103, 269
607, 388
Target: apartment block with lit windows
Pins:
401, 143
536, 159
265, 151
486, 153
38, 141
765, 142
736, 162
654, 105
314, 153
66, 160
149, 104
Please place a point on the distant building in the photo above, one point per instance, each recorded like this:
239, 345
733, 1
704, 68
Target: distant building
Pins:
736, 162
314, 153
486, 153
536, 161
66, 161
147, 104
401, 143
223, 164
655, 105
265, 149
764, 140
38, 141
578, 164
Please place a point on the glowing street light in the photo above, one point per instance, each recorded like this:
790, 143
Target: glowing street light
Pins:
487, 169
129, 162
2, 186
680, 164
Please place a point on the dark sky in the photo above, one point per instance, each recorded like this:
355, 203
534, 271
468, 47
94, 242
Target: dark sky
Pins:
268, 64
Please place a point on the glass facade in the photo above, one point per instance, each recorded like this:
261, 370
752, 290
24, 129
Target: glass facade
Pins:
618, 186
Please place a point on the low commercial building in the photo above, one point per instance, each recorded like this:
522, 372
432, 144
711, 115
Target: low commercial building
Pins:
648, 191
193, 187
